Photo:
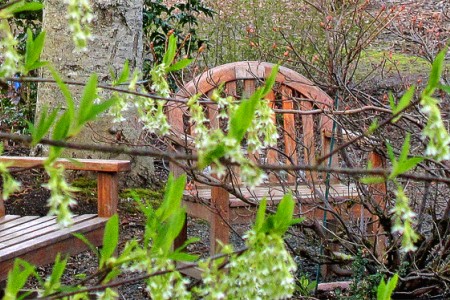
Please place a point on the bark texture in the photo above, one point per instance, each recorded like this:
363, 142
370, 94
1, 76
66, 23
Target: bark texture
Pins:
117, 33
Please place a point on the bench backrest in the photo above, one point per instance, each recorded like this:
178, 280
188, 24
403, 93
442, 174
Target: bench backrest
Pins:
303, 137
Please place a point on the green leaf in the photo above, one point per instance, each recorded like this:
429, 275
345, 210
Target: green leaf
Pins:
270, 81
407, 165
169, 231
391, 101
182, 256
405, 100
66, 93
373, 126
436, 71
242, 118
384, 291
87, 100
87, 242
111, 275
182, 247
405, 149
97, 109
110, 240
260, 214
283, 216
37, 65
29, 47
29, 6
172, 197
372, 179
123, 77
445, 88
171, 51
53, 282
390, 152
45, 122
17, 277
34, 51
180, 65
211, 156
61, 127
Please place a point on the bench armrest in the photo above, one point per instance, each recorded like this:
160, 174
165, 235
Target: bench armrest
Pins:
99, 165
107, 177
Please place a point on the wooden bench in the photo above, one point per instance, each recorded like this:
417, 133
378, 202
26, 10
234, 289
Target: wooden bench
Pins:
303, 137
38, 239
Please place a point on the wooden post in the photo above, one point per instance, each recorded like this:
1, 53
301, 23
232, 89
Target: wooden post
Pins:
107, 189
2, 206
378, 192
219, 229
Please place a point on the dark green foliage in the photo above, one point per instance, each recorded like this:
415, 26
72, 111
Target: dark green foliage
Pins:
181, 19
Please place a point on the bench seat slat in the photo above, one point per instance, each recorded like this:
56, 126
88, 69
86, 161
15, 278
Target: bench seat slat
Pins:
18, 237
101, 165
8, 218
26, 227
276, 193
12, 225
22, 246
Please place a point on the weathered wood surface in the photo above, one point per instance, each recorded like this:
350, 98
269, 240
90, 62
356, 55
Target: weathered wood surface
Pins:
302, 139
39, 239
103, 165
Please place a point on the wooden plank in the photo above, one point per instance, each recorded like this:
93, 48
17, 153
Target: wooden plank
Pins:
378, 192
303, 192
308, 140
249, 89
272, 154
16, 224
194, 272
108, 194
8, 218
213, 113
199, 209
46, 254
219, 229
175, 116
2, 205
49, 238
290, 144
17, 238
103, 165
28, 227
231, 90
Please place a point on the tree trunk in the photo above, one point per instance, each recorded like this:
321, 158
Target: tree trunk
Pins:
117, 33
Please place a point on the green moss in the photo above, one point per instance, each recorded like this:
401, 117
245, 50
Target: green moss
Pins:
87, 188
153, 197
404, 63
84, 183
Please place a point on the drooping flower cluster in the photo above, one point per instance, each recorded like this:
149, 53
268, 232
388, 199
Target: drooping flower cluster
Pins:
262, 133
11, 59
264, 271
171, 285
404, 220
438, 136
79, 15
150, 111
61, 198
10, 185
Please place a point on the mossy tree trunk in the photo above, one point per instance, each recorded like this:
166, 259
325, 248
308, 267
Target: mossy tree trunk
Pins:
117, 33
